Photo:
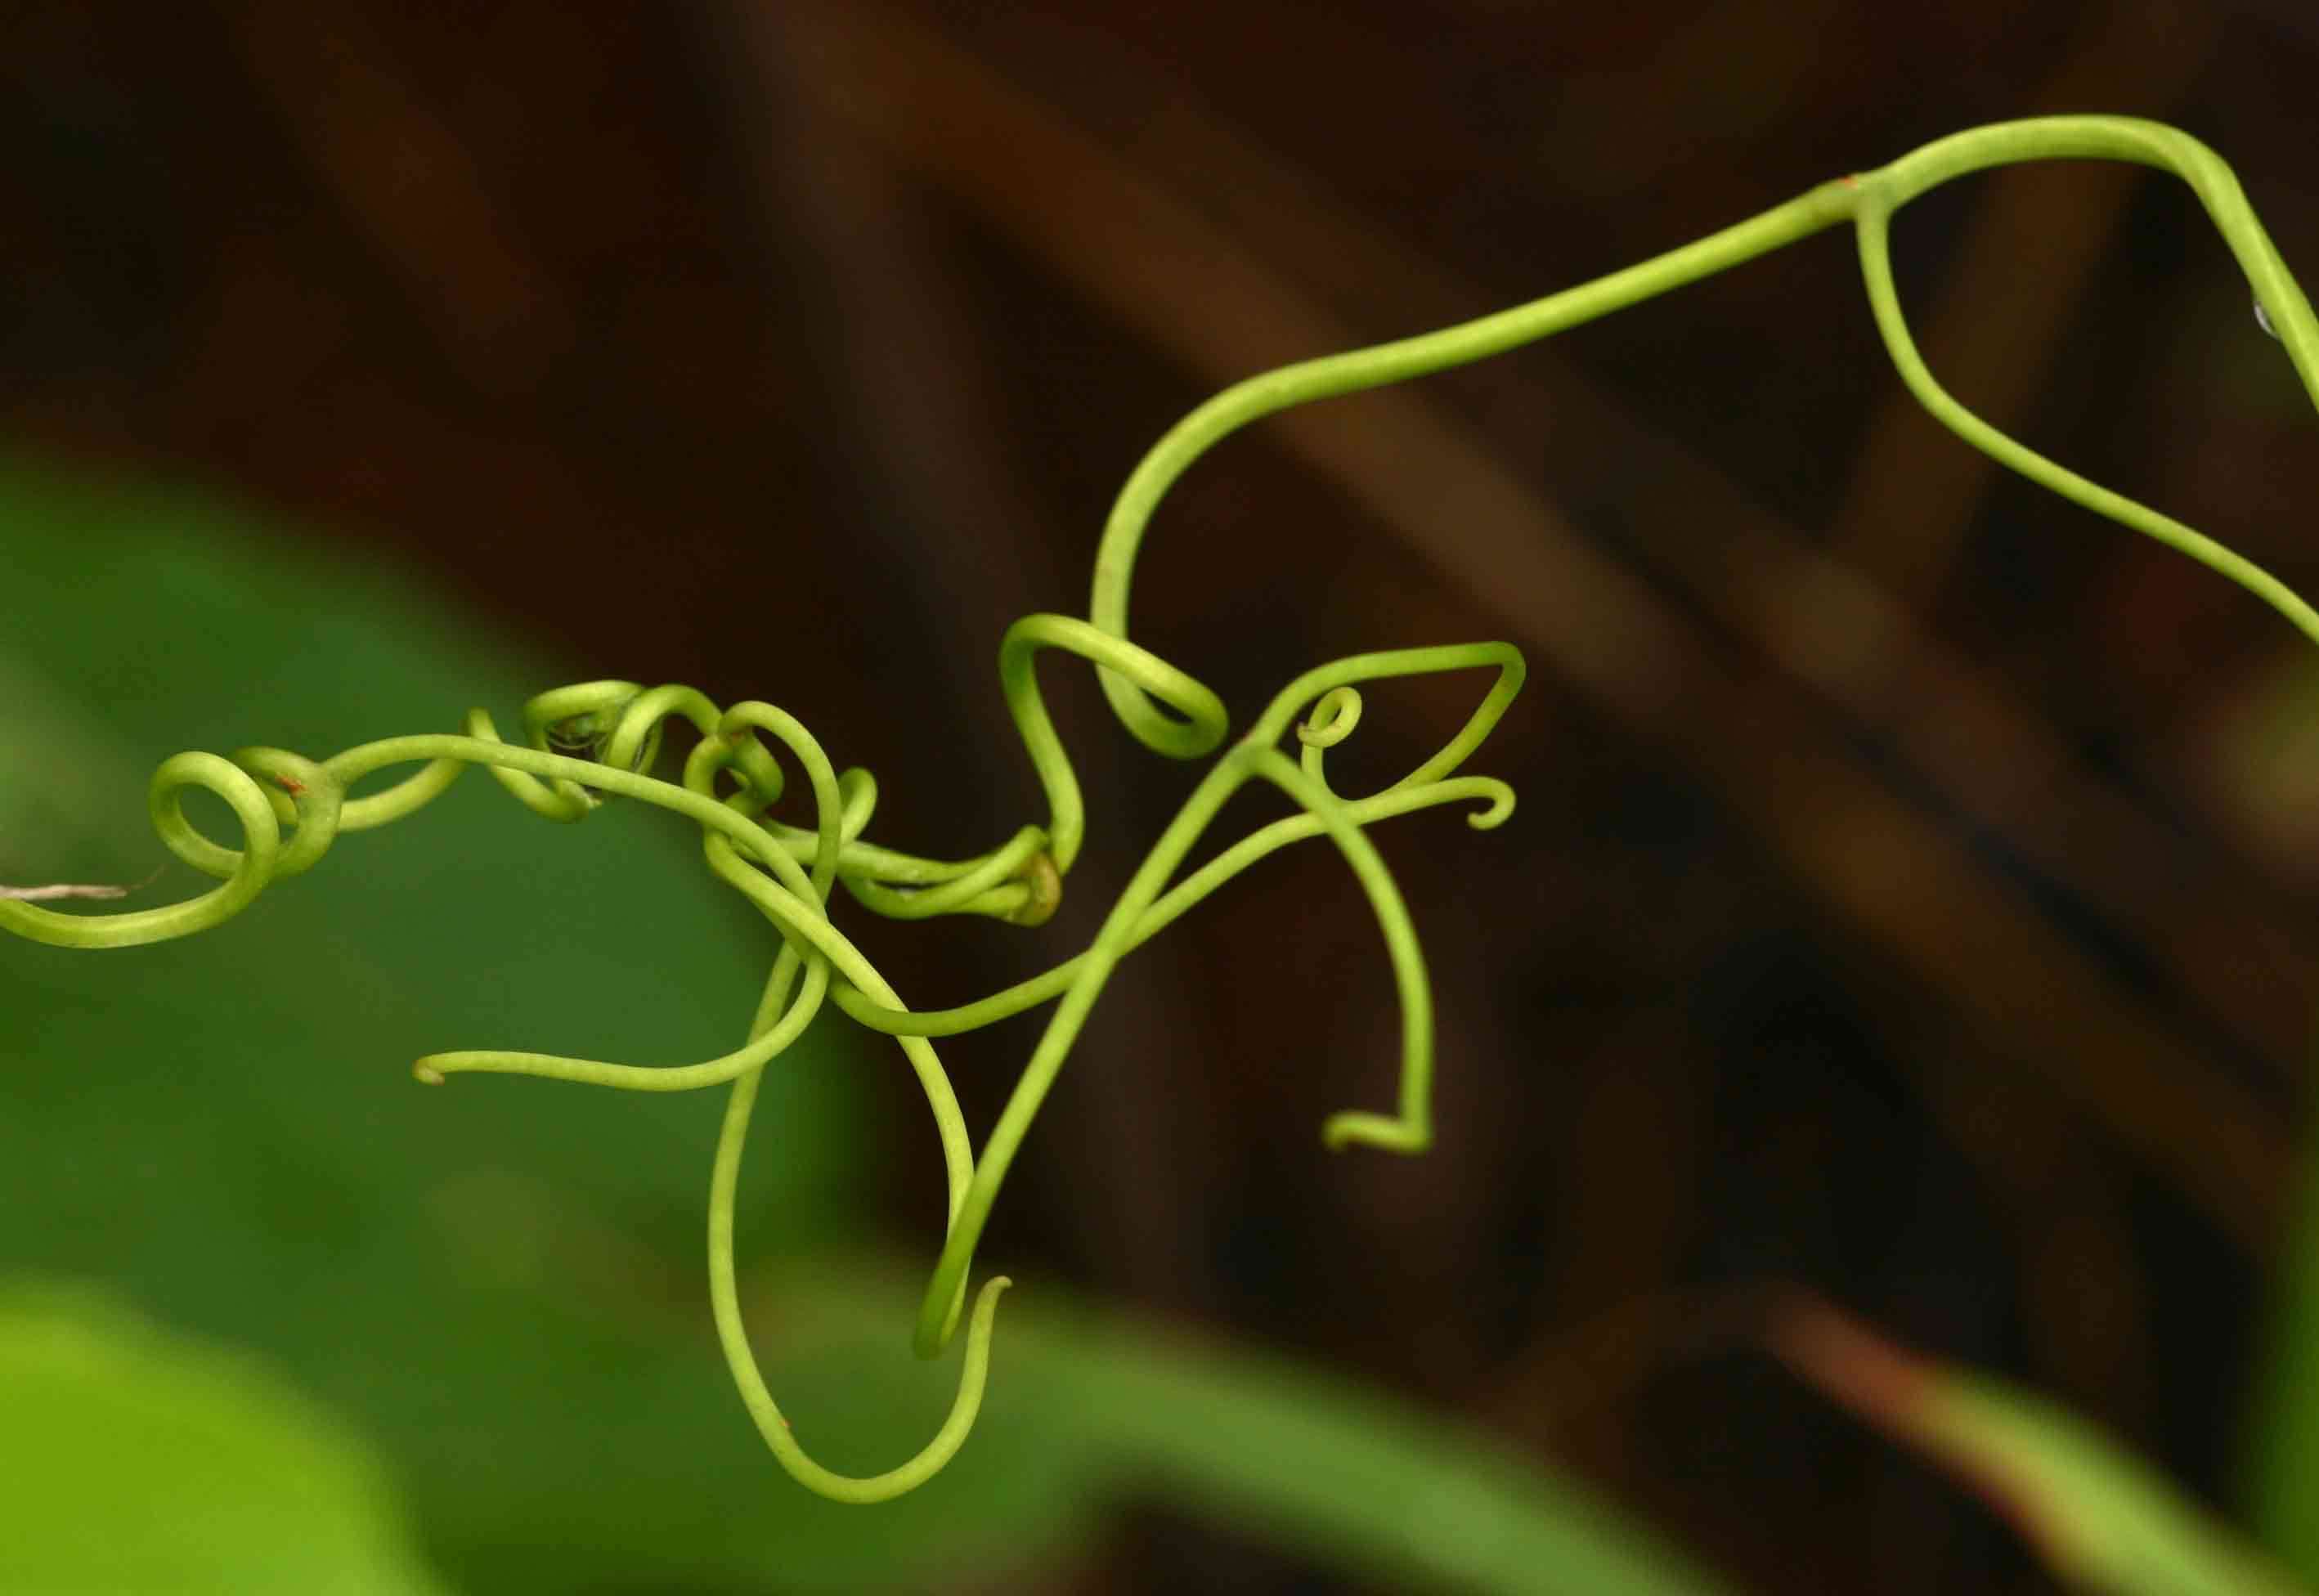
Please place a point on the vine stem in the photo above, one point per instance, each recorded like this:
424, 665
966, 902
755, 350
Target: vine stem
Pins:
1867, 200
591, 741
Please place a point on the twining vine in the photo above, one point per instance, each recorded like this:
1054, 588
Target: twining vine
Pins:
592, 740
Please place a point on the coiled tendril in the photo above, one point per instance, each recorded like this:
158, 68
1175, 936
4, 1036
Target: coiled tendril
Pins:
595, 739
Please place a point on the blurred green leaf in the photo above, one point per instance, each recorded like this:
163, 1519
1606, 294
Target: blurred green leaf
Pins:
140, 1464
1352, 1476
2285, 1471
1123, 1410
2100, 1518
501, 1281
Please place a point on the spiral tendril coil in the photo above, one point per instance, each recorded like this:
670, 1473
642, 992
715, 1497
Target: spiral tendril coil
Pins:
592, 741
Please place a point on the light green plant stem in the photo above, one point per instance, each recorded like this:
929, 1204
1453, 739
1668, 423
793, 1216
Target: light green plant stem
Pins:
1497, 798
261, 848
619, 725
2090, 138
1254, 757
732, 1333
1868, 200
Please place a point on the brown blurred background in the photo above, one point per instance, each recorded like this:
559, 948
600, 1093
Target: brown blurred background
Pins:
1913, 894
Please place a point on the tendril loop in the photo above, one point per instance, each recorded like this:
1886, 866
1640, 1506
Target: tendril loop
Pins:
590, 742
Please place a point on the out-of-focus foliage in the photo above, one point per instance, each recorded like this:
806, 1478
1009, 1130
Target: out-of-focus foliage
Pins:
141, 1464
2266, 748
1348, 1475
499, 1282
2285, 1471
1911, 895
2101, 1519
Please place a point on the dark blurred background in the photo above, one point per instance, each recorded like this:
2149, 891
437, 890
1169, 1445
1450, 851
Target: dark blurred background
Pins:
1914, 892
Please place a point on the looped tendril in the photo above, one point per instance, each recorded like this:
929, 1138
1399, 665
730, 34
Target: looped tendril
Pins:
604, 731
247, 869
1255, 756
592, 741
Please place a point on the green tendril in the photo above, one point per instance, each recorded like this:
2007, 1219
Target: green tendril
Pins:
593, 741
